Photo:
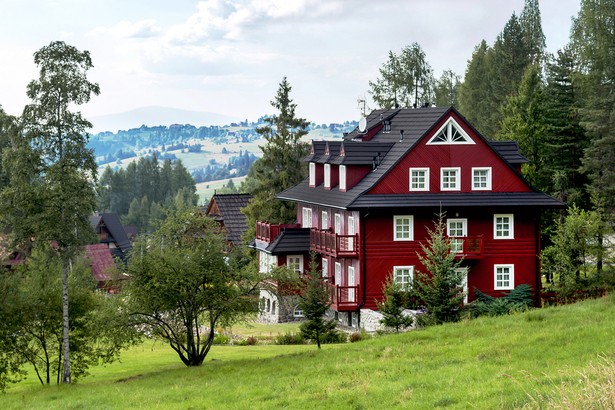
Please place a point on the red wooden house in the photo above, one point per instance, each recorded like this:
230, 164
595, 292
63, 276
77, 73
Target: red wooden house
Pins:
370, 199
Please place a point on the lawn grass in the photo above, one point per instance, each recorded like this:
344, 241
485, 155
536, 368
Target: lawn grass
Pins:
487, 363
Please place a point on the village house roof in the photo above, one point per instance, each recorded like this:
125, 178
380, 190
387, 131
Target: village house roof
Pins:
226, 209
290, 240
401, 130
117, 235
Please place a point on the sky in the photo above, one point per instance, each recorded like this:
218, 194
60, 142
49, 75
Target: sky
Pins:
229, 56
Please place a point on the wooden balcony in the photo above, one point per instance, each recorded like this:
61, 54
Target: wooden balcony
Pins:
345, 298
467, 247
331, 244
267, 232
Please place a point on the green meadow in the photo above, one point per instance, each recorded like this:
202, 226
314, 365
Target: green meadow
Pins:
544, 358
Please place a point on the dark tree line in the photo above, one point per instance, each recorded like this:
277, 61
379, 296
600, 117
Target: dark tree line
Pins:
142, 192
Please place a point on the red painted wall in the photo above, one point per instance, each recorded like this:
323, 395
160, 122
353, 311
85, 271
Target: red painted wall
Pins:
504, 178
355, 173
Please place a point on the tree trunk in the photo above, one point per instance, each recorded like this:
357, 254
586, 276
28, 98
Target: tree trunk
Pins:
65, 331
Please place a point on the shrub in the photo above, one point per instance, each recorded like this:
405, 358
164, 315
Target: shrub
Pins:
333, 336
517, 300
221, 339
289, 339
251, 341
358, 336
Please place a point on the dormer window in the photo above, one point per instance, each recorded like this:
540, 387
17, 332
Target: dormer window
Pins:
450, 133
386, 126
312, 174
342, 177
327, 176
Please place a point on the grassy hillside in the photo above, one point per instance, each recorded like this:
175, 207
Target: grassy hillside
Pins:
511, 362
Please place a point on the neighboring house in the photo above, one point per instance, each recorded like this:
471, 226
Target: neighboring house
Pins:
226, 210
111, 233
104, 270
370, 199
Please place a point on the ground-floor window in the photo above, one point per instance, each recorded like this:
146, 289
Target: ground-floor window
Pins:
504, 277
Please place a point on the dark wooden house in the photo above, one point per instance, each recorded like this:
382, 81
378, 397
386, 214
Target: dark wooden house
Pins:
226, 210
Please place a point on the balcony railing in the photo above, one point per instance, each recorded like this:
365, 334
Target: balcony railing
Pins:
332, 244
267, 232
468, 247
345, 297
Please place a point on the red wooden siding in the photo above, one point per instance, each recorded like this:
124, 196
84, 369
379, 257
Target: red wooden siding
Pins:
334, 176
382, 253
355, 173
436, 156
320, 174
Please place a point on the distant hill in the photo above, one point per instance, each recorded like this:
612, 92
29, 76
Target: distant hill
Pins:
155, 115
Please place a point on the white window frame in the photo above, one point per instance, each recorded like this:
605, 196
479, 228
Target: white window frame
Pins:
498, 230
297, 312
312, 174
337, 227
464, 283
306, 221
266, 261
457, 186
487, 186
342, 177
297, 262
396, 221
338, 273
504, 284
327, 175
351, 280
447, 128
457, 244
425, 182
324, 220
350, 230
325, 268
398, 276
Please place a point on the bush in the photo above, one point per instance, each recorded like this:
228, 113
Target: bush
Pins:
221, 339
289, 339
517, 300
251, 341
333, 336
358, 336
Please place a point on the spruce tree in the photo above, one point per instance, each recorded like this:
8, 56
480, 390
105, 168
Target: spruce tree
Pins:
393, 304
475, 91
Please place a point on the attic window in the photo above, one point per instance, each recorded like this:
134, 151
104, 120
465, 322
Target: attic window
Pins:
386, 126
451, 133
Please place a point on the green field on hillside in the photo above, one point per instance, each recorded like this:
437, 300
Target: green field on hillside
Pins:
527, 360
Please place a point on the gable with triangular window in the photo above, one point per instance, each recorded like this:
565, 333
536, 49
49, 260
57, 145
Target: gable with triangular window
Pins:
450, 133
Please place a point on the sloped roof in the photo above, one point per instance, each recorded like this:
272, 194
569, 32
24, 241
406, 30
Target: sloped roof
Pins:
509, 150
113, 224
415, 123
101, 262
226, 208
361, 153
290, 240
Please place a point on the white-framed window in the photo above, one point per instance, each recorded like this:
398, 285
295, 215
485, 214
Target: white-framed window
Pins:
342, 177
295, 262
266, 261
350, 281
403, 275
403, 228
312, 174
350, 231
337, 224
481, 179
325, 268
419, 179
504, 277
307, 218
464, 283
503, 226
327, 175
450, 133
297, 312
324, 220
338, 273
450, 179
456, 228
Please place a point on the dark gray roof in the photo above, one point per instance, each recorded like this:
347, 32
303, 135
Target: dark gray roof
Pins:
317, 150
415, 123
230, 215
290, 240
474, 199
118, 235
509, 150
361, 153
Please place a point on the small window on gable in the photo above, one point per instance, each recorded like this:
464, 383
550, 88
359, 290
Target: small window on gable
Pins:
481, 179
450, 179
419, 179
450, 133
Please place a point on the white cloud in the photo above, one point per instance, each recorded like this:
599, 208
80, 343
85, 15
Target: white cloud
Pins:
127, 29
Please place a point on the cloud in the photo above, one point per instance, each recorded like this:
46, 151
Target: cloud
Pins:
127, 29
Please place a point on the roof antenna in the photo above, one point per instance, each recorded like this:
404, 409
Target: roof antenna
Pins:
401, 135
